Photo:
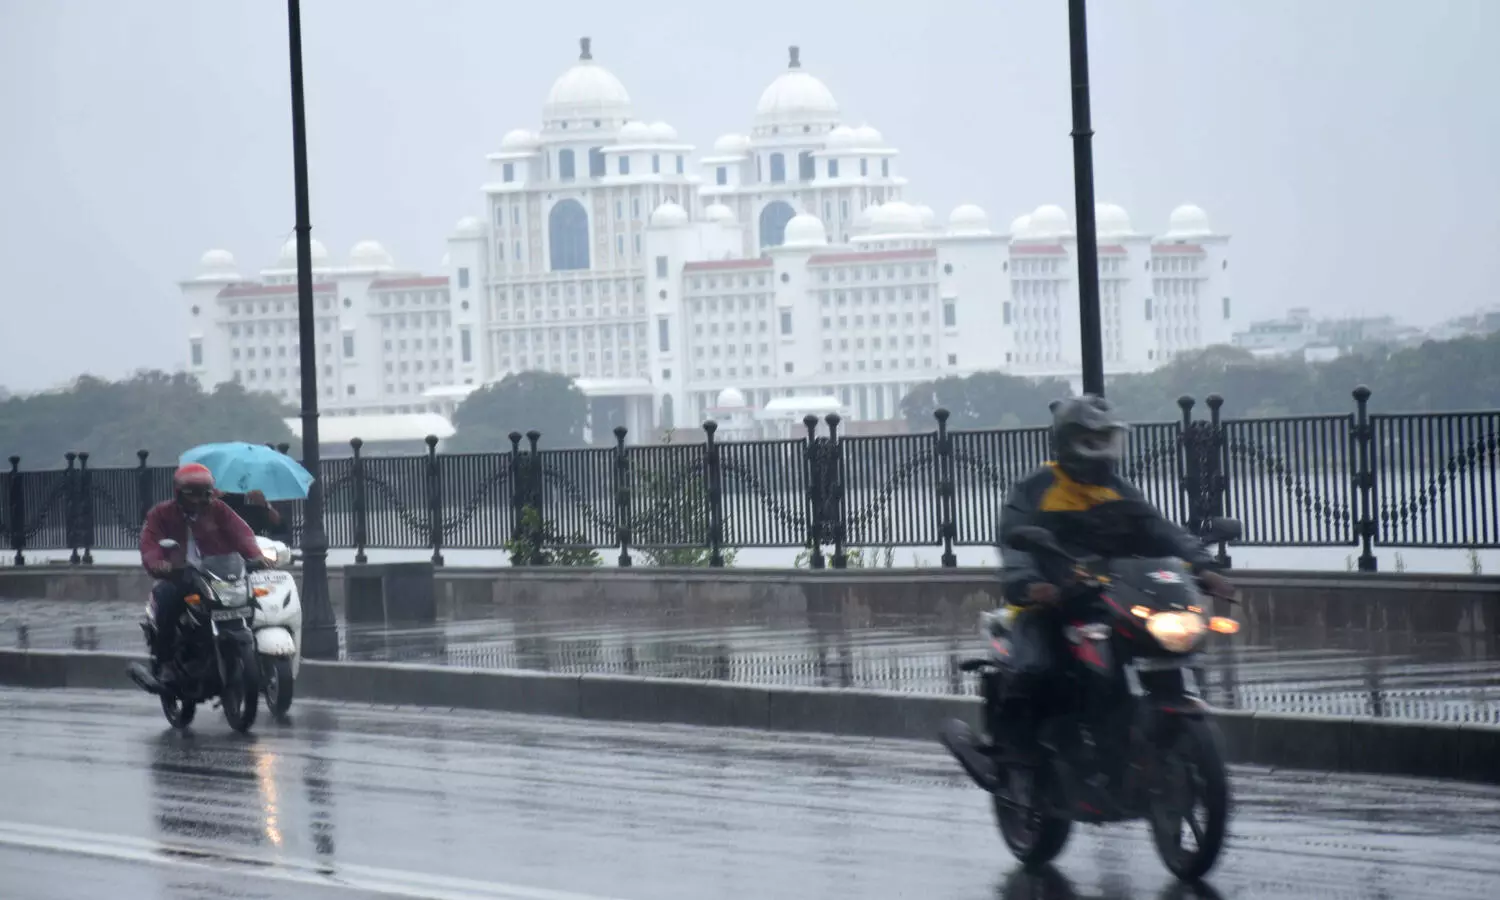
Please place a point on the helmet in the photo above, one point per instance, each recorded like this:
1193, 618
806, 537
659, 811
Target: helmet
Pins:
193, 475
1087, 438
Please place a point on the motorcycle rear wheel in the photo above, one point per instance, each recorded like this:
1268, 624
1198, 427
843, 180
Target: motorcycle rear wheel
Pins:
278, 683
1033, 837
179, 712
241, 694
1192, 776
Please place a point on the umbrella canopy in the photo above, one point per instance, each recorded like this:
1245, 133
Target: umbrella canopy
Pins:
240, 468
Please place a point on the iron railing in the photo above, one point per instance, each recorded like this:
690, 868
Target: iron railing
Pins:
1357, 480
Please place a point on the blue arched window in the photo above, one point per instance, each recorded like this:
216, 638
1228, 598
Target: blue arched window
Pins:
806, 168
773, 221
565, 165
568, 235
596, 162
667, 419
778, 168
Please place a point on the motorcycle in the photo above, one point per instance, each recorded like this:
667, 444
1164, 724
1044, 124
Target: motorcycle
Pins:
215, 650
277, 625
1127, 737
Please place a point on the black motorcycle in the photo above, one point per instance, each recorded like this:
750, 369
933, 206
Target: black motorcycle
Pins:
1126, 736
215, 649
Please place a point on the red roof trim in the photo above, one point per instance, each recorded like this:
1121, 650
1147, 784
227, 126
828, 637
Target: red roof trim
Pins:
1177, 248
422, 281
1111, 248
833, 259
711, 265
1037, 249
272, 290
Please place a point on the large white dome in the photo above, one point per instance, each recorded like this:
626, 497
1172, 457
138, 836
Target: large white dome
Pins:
718, 212
663, 133
1111, 220
369, 255
895, 217
927, 216
1049, 221
731, 398
468, 226
1020, 226
968, 219
842, 137
635, 133
518, 140
217, 262
586, 90
805, 231
1188, 221
868, 138
731, 145
669, 215
794, 99
288, 255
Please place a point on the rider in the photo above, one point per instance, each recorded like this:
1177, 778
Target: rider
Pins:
202, 526
1068, 497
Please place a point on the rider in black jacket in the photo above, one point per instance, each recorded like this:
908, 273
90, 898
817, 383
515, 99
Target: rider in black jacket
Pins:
1080, 498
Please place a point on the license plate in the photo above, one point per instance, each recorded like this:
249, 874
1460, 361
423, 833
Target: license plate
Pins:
222, 615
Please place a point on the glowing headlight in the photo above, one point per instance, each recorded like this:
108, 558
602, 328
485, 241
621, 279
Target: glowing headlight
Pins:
1178, 632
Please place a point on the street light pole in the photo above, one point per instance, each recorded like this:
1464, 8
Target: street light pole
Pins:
1083, 197
320, 630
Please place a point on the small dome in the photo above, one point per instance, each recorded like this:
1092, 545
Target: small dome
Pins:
842, 137
730, 398
895, 217
796, 98
805, 231
469, 226
635, 133
1188, 221
928, 217
1111, 220
369, 255
968, 219
669, 215
586, 90
868, 138
731, 145
518, 140
1020, 226
718, 212
216, 262
663, 133
1049, 221
288, 255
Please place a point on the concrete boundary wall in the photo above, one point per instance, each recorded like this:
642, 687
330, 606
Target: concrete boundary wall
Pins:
1326, 743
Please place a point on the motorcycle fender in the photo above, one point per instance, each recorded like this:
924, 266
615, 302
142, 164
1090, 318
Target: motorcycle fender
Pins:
274, 641
241, 636
1161, 716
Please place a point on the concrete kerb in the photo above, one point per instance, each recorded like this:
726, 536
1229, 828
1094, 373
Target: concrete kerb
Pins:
1327, 743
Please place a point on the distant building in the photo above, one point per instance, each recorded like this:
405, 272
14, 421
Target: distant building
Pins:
787, 268
1298, 334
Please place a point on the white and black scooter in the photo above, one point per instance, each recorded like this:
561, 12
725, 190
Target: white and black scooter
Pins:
277, 625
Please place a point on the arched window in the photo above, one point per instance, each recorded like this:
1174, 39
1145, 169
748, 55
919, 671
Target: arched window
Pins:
806, 168
778, 168
596, 162
568, 235
565, 165
773, 221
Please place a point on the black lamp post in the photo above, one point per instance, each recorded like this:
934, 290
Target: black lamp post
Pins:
1083, 197
320, 630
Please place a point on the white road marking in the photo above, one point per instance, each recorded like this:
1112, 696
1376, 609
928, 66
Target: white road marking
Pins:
387, 882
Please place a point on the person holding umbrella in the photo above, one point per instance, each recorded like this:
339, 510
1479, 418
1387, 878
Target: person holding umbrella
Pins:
259, 514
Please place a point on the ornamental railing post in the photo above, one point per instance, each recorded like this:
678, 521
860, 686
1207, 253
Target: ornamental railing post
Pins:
535, 498
622, 496
1216, 478
812, 458
361, 502
143, 499
834, 479
1189, 471
947, 526
714, 484
86, 507
434, 501
1367, 523
15, 489
70, 507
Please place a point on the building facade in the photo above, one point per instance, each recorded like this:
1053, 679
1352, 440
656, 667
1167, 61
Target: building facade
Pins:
784, 271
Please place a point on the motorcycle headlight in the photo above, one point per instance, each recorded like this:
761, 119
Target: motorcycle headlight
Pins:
232, 593
1178, 632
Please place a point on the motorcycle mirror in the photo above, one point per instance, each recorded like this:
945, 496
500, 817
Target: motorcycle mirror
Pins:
1031, 539
167, 544
1221, 530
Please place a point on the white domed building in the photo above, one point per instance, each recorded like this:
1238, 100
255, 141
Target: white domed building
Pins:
785, 272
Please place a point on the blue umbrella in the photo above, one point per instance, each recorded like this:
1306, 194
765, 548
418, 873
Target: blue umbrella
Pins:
240, 468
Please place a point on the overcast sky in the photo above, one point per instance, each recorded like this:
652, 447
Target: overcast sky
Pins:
1351, 147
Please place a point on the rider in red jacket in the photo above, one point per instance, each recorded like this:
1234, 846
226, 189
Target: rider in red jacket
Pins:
202, 526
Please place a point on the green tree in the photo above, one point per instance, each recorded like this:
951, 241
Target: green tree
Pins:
539, 539
152, 410
982, 400
544, 401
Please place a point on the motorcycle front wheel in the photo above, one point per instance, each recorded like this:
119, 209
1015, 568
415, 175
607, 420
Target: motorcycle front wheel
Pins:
1033, 837
179, 712
1190, 799
241, 693
279, 683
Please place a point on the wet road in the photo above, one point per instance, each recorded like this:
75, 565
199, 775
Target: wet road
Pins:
101, 799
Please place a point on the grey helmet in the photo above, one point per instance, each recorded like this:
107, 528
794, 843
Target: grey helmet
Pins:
1087, 438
